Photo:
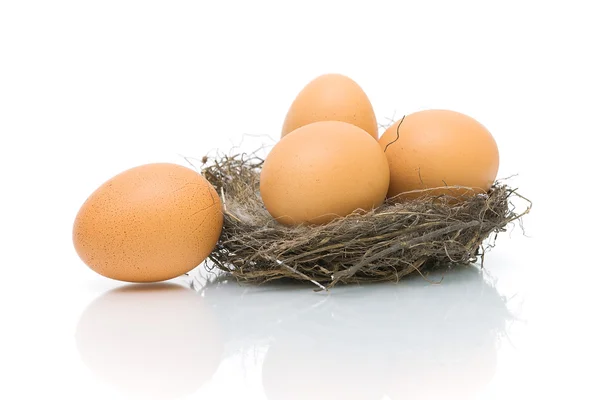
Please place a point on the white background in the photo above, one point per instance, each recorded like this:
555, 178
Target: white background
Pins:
90, 88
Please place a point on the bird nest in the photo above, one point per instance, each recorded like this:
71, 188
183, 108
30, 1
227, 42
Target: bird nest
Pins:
385, 244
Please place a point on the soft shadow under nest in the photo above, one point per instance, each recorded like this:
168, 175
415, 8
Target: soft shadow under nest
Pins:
385, 244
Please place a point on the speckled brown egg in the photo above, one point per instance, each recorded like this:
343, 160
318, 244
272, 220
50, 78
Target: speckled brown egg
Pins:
322, 171
150, 223
331, 97
437, 150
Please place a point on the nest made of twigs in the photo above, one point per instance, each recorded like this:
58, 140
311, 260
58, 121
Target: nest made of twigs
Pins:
385, 244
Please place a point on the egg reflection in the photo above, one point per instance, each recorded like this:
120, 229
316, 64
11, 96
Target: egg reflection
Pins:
300, 366
410, 340
151, 341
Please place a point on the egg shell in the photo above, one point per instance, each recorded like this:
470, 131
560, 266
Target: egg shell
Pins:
438, 148
322, 171
150, 223
331, 97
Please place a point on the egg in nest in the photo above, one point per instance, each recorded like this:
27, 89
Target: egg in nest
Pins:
439, 150
331, 97
322, 171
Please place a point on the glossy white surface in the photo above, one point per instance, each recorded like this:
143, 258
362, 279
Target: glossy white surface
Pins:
88, 89
510, 331
367, 342
353, 343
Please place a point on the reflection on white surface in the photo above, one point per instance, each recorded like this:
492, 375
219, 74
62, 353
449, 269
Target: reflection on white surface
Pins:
412, 340
150, 341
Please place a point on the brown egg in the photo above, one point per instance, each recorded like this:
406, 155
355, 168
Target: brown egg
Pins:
150, 223
331, 97
439, 148
321, 171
